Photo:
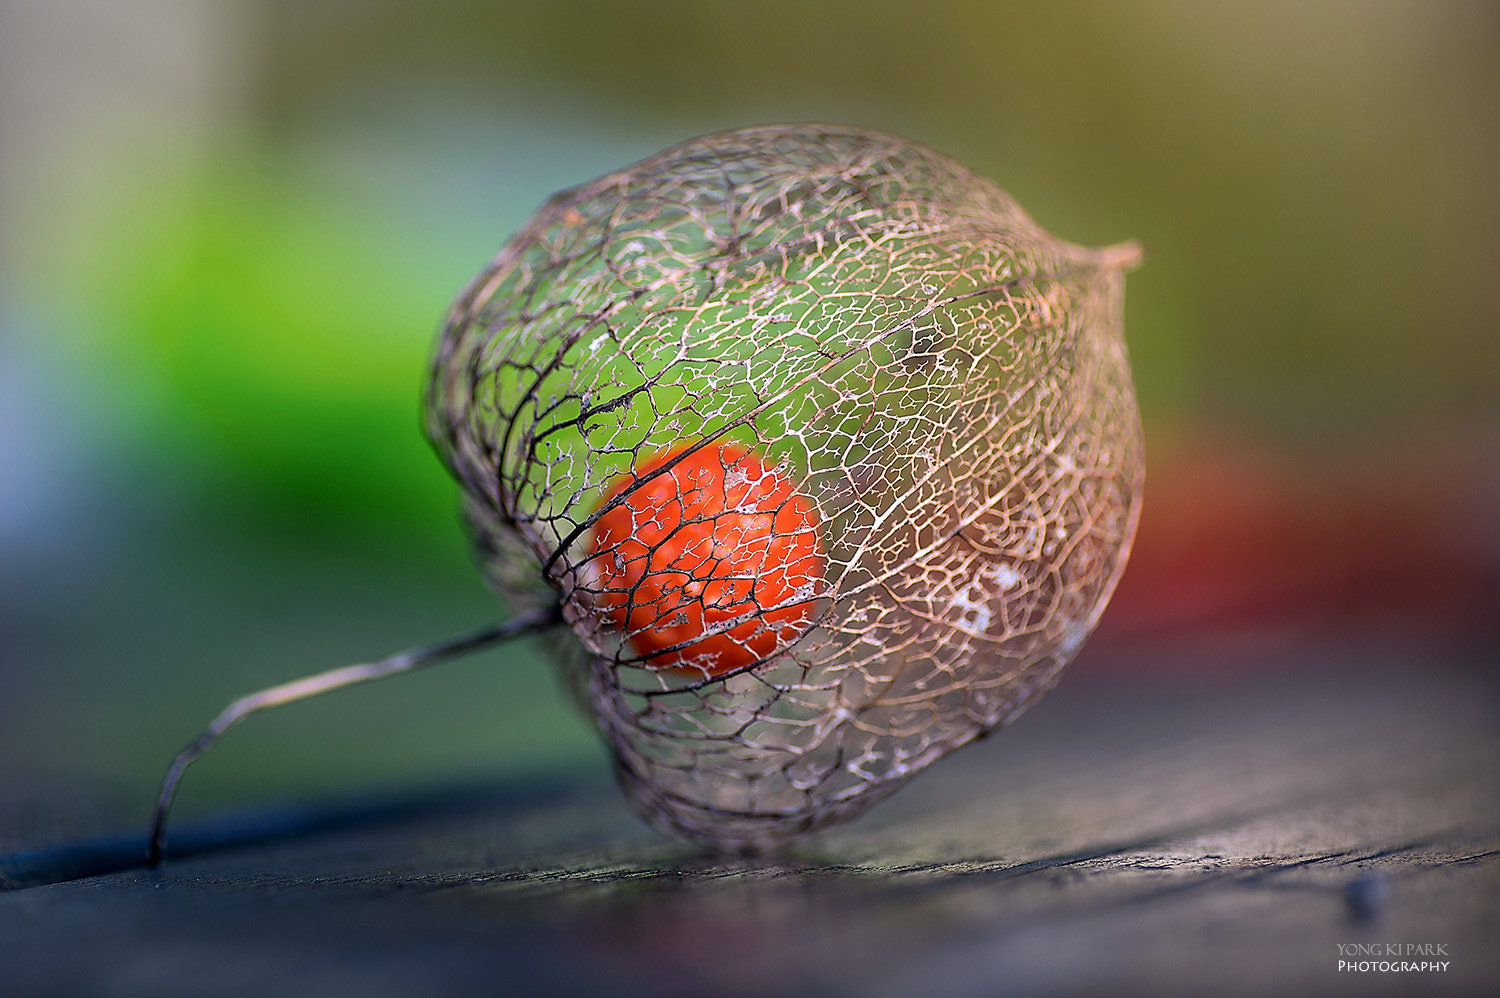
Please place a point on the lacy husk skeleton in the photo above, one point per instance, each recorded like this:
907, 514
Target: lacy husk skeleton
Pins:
945, 383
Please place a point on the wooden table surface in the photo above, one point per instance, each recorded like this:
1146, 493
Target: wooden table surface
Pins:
1173, 833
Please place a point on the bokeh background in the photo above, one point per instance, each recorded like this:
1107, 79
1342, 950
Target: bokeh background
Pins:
230, 230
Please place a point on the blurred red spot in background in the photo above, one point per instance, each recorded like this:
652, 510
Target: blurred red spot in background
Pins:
1244, 550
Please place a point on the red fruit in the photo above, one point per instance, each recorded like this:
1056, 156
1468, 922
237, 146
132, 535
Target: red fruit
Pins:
719, 537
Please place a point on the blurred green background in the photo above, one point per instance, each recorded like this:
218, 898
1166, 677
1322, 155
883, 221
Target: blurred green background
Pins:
230, 231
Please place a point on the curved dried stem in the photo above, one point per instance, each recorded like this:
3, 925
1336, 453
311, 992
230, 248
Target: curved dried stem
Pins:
323, 682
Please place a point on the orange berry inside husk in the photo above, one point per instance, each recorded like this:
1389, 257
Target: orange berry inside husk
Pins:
710, 561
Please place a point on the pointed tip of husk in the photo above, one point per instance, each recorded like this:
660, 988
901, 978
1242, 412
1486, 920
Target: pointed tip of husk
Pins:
1122, 256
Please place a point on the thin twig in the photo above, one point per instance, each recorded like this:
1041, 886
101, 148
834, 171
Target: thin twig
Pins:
323, 682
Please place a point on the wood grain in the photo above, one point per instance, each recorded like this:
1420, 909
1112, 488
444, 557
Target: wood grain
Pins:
1219, 836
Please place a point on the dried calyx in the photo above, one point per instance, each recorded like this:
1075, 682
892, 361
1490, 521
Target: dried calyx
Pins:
830, 453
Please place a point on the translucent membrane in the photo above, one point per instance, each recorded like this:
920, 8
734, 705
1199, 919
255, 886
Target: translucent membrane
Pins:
907, 414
